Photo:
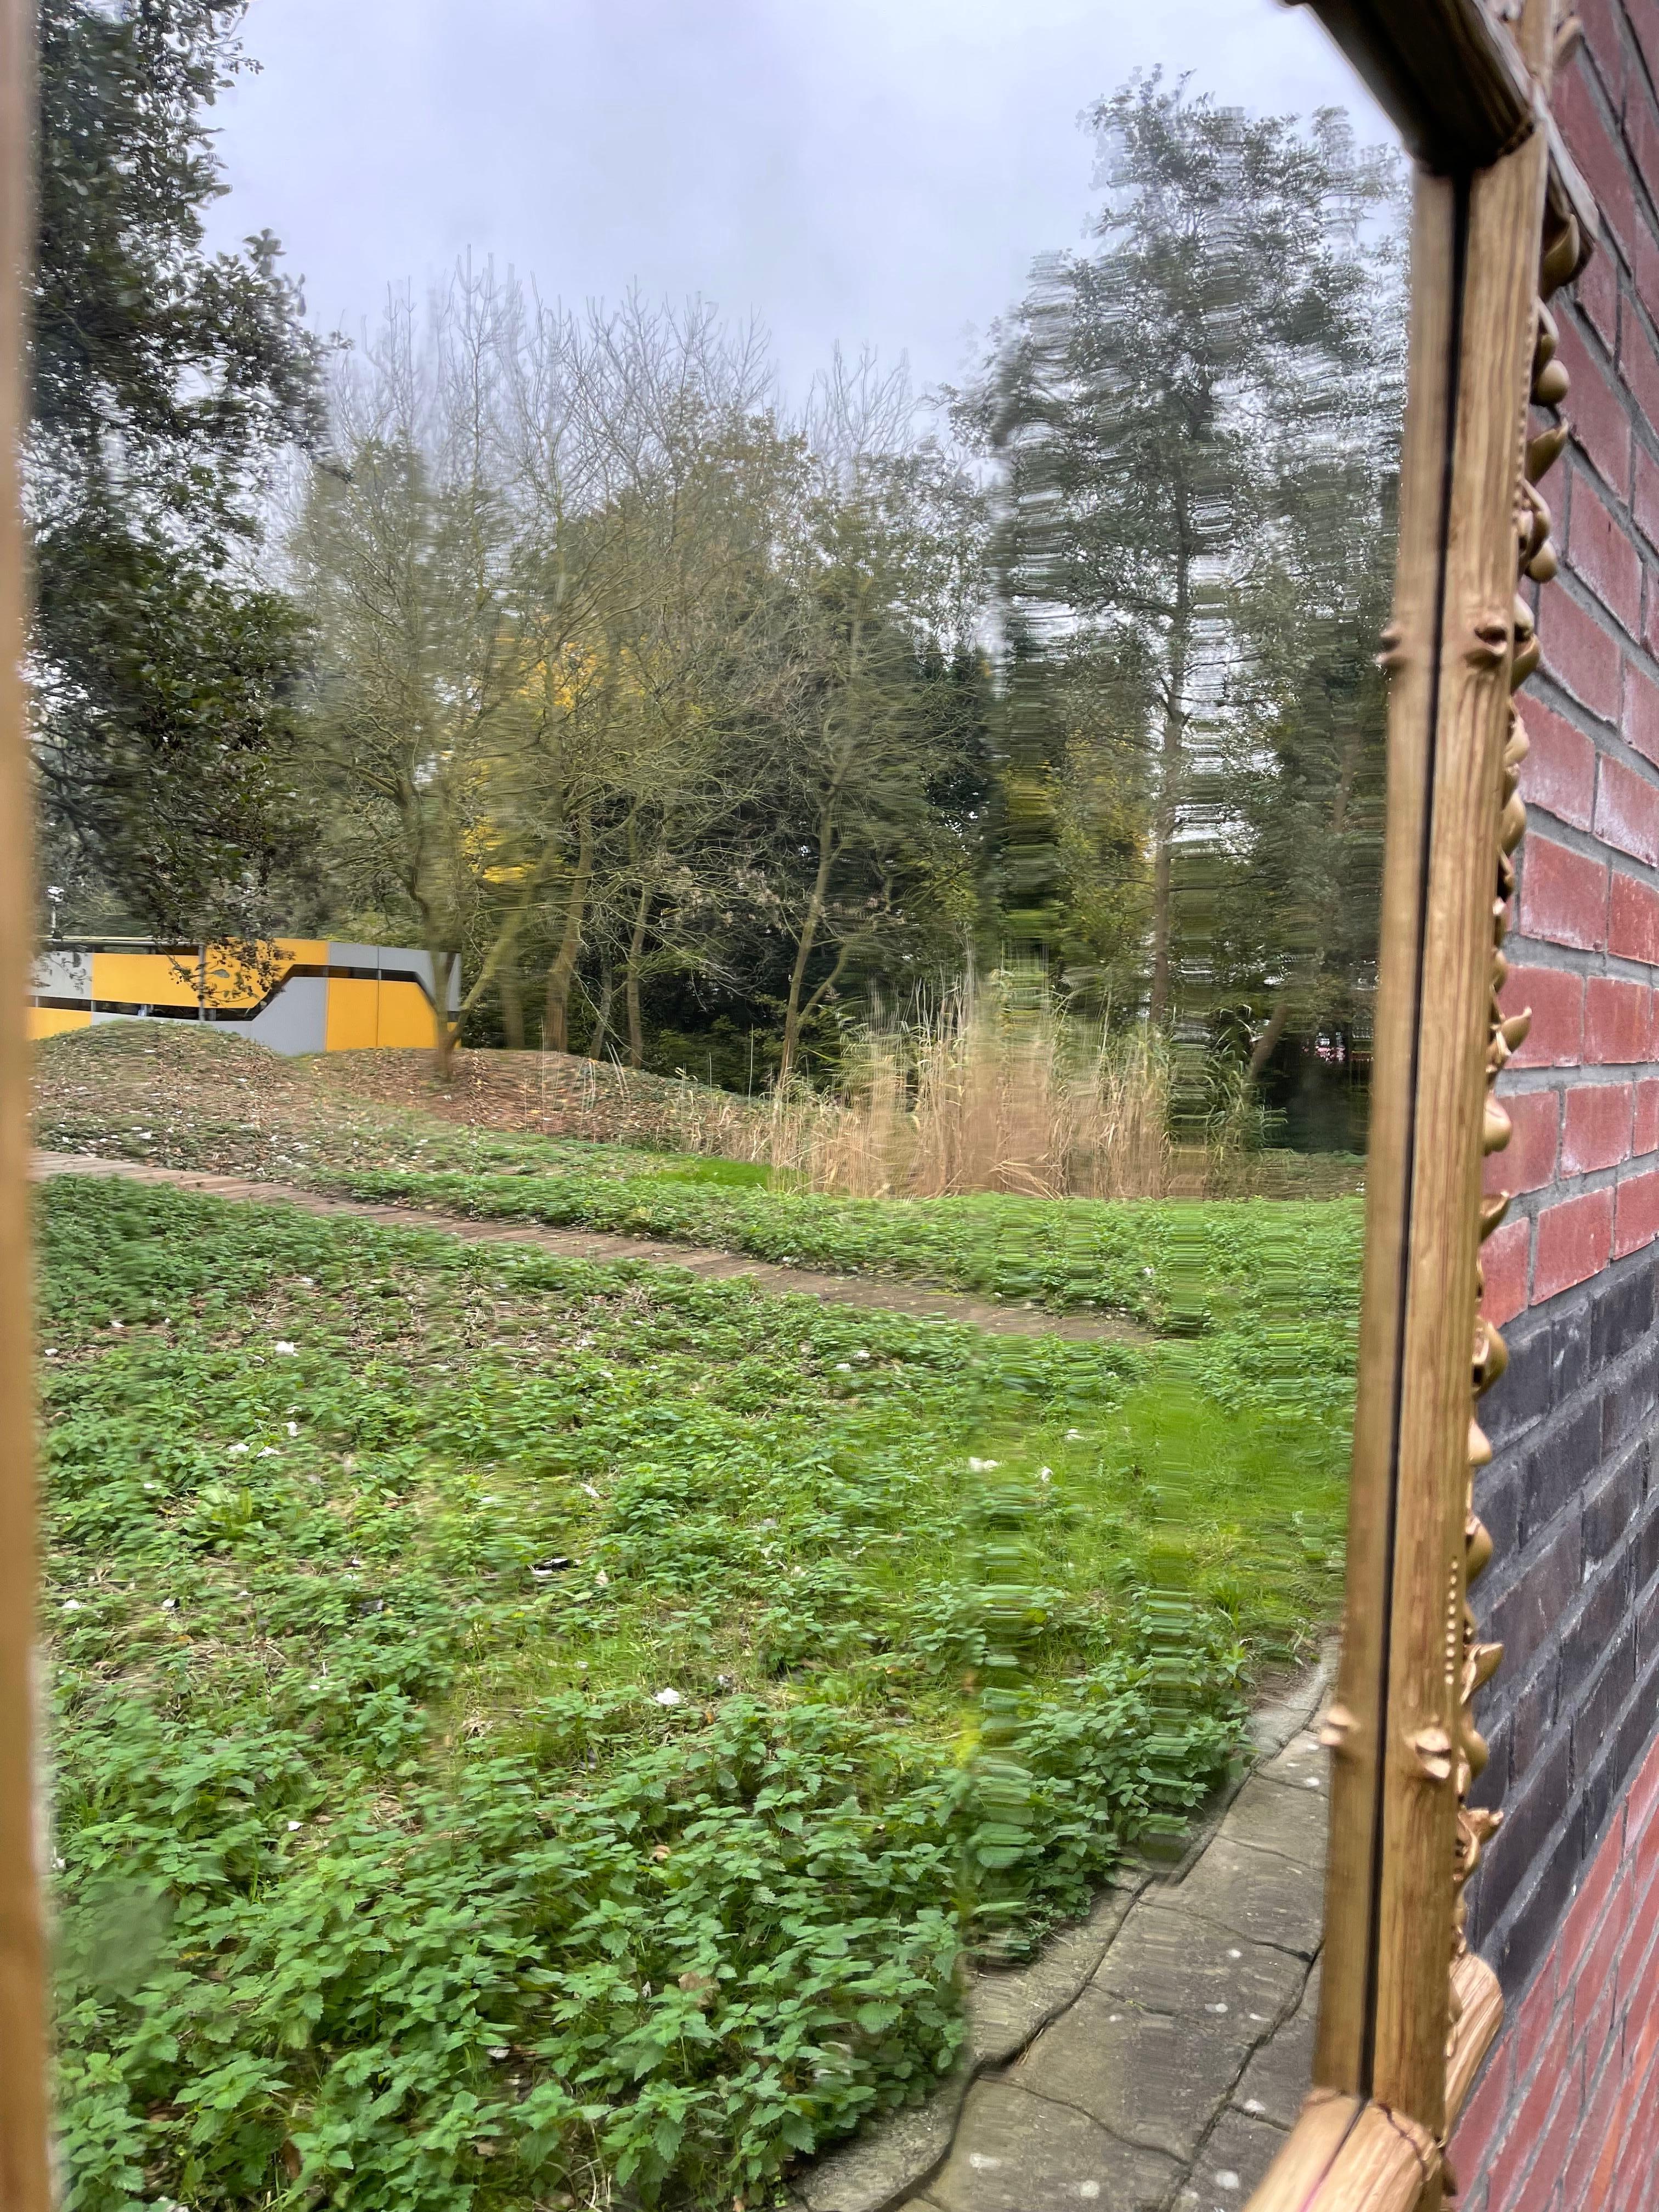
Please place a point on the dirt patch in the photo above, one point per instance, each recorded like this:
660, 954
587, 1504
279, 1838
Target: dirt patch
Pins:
554, 1094
187, 1095
879, 1294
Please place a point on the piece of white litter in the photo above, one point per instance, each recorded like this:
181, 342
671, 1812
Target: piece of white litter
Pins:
73, 1604
1074, 1436
51, 1351
294, 1828
983, 1466
603, 1579
1312, 1783
156, 1486
117, 1326
1226, 2179
169, 1604
1254, 2105
1088, 2191
982, 2162
1259, 2015
284, 1348
270, 1452
843, 1367
294, 1428
237, 1450
667, 1697
1215, 2007
1235, 1954
499, 2050
1045, 1474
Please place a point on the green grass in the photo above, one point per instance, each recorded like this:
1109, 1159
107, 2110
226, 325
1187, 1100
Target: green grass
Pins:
1270, 1286
387, 1873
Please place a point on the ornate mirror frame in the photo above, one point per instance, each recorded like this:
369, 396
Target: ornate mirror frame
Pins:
1500, 220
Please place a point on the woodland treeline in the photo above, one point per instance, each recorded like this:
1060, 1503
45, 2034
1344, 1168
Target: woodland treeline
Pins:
689, 721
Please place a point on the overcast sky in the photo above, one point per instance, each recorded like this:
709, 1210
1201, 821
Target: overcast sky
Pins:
876, 171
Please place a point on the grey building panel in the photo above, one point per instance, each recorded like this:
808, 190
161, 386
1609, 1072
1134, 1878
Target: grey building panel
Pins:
356, 956
59, 975
296, 1020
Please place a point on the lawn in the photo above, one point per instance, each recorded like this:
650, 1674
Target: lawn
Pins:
528, 1728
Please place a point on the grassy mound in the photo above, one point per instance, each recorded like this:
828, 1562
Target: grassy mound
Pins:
526, 1729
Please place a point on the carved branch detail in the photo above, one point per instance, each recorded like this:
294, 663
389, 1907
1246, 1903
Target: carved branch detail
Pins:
1477, 1661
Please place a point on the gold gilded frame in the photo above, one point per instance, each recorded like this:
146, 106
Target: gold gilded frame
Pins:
1500, 219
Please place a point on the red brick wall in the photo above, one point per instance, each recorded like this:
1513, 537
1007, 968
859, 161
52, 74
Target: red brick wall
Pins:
1566, 1906
1567, 2117
1585, 1158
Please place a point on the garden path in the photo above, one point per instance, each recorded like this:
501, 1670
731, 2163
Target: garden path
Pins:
879, 1292
1155, 2056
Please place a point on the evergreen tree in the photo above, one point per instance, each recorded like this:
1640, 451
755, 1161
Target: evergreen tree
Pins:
166, 382
1165, 408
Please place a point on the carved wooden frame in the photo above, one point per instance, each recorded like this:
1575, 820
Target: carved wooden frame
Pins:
1500, 220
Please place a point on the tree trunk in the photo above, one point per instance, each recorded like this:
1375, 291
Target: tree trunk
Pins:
809, 933
556, 1027
1265, 1046
602, 1011
445, 1032
1169, 779
631, 979
511, 988
1262, 1050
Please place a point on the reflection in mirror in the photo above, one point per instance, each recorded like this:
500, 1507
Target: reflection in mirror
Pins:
849, 902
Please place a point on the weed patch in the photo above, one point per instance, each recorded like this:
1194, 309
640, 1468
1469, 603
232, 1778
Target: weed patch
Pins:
517, 1721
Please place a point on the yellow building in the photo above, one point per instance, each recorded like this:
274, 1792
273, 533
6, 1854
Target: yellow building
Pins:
301, 994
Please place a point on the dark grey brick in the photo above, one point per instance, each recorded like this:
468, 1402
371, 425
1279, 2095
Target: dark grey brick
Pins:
1621, 1313
1646, 1611
1532, 1820
1640, 1723
1594, 1727
1527, 1615
1564, 1457
1627, 1404
1522, 1937
1491, 1788
1596, 1627
1534, 1714
1647, 1557
1498, 1501
1613, 1506
1568, 1349
1523, 1395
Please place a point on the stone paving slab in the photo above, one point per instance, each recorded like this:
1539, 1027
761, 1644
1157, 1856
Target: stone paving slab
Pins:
1006, 2010
1234, 2159
1168, 2070
1276, 2079
1257, 1895
1019, 2152
1158, 2080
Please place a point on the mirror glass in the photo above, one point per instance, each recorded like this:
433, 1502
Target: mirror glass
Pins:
713, 818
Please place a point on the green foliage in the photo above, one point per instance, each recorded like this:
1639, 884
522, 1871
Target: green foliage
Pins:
389, 1869
165, 382
1196, 420
1272, 1286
